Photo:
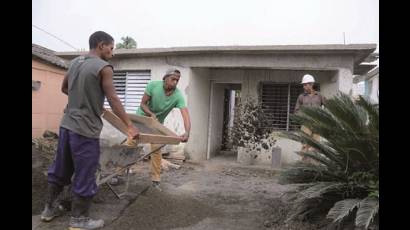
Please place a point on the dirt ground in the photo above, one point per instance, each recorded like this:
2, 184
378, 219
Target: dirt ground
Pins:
216, 194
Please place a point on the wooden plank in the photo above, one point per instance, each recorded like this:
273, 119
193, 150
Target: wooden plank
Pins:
158, 139
156, 124
142, 119
176, 161
115, 121
152, 123
143, 137
174, 157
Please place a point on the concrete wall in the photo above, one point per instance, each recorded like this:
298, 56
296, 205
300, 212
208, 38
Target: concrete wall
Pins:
333, 72
277, 61
250, 79
198, 105
216, 118
329, 84
374, 85
241, 68
345, 80
48, 102
358, 89
288, 148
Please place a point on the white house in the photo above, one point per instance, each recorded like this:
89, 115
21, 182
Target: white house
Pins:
367, 83
212, 76
370, 83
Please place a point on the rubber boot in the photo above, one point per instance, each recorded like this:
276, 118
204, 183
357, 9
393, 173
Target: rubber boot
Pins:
80, 219
51, 210
65, 199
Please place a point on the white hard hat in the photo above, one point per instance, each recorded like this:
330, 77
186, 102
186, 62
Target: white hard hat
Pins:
307, 78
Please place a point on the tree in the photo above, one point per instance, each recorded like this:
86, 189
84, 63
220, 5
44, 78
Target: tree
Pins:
127, 43
345, 180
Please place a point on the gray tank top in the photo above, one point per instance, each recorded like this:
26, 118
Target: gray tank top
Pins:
85, 96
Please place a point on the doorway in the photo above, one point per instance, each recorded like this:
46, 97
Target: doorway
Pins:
224, 98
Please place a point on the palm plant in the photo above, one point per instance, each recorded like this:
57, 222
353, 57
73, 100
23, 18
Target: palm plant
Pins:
127, 43
344, 181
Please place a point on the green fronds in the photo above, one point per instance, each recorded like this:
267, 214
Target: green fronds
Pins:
368, 208
342, 209
320, 188
345, 175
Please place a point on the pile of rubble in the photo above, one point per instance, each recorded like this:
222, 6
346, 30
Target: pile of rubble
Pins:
172, 157
47, 144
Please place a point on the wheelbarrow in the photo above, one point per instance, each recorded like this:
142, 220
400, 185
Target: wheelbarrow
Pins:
118, 159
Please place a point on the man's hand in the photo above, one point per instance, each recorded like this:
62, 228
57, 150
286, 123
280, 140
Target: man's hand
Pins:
154, 117
184, 137
133, 132
144, 106
187, 124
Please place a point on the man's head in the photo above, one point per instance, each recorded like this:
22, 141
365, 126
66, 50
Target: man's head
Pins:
308, 82
171, 78
102, 44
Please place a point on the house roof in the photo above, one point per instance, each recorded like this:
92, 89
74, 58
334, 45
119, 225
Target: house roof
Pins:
368, 75
372, 57
359, 51
48, 56
234, 49
363, 68
373, 72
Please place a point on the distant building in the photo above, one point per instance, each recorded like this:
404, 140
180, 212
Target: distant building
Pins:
48, 101
369, 81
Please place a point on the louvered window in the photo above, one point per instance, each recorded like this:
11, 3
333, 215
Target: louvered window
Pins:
130, 88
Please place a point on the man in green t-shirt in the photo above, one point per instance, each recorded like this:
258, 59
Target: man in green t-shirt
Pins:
159, 99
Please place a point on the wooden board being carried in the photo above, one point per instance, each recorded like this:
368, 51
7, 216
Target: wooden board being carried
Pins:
151, 131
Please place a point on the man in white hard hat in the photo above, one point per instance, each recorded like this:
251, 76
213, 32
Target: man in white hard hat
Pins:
309, 97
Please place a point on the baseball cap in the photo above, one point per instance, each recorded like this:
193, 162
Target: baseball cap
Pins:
172, 71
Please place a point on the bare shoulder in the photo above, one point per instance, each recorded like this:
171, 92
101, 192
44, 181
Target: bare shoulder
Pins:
106, 71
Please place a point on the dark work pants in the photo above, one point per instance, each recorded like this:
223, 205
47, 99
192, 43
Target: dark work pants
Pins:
79, 155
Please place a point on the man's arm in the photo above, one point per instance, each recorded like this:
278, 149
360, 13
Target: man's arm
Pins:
144, 106
298, 104
109, 90
64, 86
187, 124
323, 100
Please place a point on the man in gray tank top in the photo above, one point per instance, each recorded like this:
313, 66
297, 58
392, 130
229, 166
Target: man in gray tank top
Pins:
88, 80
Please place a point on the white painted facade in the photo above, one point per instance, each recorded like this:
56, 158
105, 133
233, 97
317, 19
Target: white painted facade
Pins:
205, 72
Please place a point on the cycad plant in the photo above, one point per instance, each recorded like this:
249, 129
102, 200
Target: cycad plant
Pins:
344, 180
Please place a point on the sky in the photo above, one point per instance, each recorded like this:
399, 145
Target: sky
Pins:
166, 23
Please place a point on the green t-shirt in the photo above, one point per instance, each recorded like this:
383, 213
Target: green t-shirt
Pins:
161, 104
